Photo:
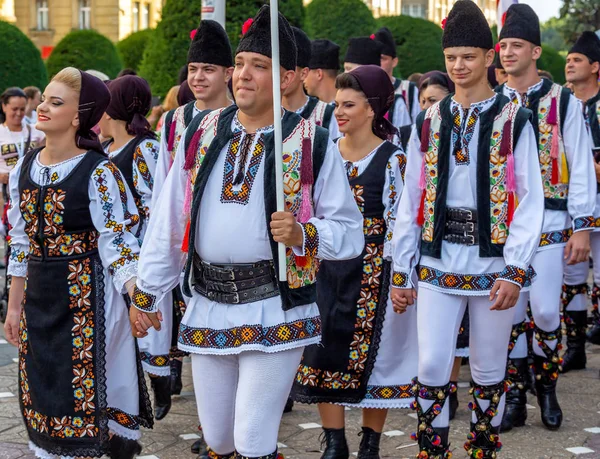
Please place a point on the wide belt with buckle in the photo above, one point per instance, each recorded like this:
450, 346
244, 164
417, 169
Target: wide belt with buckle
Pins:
461, 226
235, 283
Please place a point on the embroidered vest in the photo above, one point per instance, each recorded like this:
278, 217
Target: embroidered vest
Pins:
318, 112
304, 148
500, 128
592, 118
175, 123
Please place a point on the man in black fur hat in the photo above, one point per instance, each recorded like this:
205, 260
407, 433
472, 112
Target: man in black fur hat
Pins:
470, 215
244, 327
569, 187
323, 70
295, 98
583, 65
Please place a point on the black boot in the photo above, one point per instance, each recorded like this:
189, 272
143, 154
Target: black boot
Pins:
546, 378
123, 448
483, 441
433, 441
515, 412
453, 401
289, 405
176, 383
336, 446
574, 358
369, 444
199, 447
593, 335
161, 386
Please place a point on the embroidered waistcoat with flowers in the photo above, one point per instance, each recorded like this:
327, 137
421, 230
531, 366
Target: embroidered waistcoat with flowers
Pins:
304, 147
592, 118
500, 128
175, 124
318, 112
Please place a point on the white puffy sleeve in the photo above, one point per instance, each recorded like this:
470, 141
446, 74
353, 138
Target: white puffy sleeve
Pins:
163, 164
145, 158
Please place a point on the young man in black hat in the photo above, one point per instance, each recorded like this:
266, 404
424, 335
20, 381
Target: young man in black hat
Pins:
583, 65
295, 98
323, 69
569, 188
467, 228
244, 327
402, 88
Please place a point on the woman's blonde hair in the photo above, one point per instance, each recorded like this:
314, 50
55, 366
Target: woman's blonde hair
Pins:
70, 77
170, 101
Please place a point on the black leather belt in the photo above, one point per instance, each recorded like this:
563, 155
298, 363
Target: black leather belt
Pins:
235, 283
461, 226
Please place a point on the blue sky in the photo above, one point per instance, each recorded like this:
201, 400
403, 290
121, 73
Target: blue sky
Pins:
545, 9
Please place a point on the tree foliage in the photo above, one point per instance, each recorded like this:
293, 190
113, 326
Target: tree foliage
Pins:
552, 34
85, 50
552, 62
20, 61
579, 16
339, 20
419, 44
167, 48
131, 48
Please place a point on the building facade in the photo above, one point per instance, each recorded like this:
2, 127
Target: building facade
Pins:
46, 22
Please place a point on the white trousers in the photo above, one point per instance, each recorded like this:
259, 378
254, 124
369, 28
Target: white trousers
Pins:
544, 297
438, 320
578, 274
241, 398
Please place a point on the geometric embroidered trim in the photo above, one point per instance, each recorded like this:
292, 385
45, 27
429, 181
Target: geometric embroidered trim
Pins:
517, 275
555, 237
155, 360
470, 282
311, 240
400, 280
143, 301
584, 223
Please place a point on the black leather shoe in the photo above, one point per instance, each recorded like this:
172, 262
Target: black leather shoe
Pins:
574, 358
123, 448
199, 447
336, 446
369, 444
176, 383
161, 386
546, 395
453, 400
289, 405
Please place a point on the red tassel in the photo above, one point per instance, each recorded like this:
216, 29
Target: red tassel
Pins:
171, 140
421, 213
306, 167
185, 244
190, 154
554, 178
425, 135
301, 262
506, 140
511, 208
552, 118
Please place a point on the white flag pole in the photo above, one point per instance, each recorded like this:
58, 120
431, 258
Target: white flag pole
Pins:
277, 130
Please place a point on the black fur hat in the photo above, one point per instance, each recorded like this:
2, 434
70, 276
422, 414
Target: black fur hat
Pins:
364, 51
522, 22
210, 45
466, 26
324, 54
303, 46
257, 39
587, 44
385, 37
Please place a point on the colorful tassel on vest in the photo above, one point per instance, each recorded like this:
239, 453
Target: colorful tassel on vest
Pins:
306, 181
422, 180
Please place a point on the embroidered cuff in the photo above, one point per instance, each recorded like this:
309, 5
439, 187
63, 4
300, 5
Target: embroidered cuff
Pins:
144, 301
584, 223
310, 247
400, 280
517, 275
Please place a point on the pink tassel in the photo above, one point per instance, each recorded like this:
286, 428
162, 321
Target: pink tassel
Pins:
306, 167
171, 140
306, 205
190, 154
387, 116
511, 208
510, 174
553, 114
425, 135
421, 211
505, 146
422, 181
554, 149
187, 200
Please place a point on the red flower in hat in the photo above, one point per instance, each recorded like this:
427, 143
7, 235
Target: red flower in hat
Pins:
444, 23
193, 34
497, 47
247, 25
372, 36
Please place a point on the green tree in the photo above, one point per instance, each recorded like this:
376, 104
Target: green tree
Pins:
339, 20
551, 33
166, 51
419, 44
552, 62
85, 50
20, 61
131, 48
579, 16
